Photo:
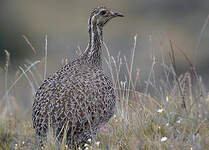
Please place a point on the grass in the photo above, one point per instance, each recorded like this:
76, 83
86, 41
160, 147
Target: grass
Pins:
174, 116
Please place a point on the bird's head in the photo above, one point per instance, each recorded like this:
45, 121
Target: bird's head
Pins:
101, 15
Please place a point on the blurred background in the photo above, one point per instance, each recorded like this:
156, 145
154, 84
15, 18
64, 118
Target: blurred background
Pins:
156, 22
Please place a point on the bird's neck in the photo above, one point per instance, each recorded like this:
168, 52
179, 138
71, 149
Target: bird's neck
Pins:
94, 51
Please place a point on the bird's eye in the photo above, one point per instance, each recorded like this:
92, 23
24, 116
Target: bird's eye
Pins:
103, 12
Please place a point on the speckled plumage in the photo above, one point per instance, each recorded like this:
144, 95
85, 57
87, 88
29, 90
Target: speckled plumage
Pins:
79, 97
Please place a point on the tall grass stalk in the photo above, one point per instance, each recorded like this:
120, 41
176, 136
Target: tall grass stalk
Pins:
6, 80
46, 53
131, 66
199, 39
29, 43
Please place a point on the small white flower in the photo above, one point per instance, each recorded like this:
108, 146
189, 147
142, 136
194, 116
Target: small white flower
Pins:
86, 148
167, 99
16, 146
163, 139
178, 121
97, 143
160, 110
89, 140
121, 83
167, 124
86, 145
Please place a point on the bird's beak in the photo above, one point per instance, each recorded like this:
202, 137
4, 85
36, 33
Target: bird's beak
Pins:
114, 14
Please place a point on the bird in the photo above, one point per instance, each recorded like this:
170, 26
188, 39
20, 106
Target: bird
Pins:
79, 98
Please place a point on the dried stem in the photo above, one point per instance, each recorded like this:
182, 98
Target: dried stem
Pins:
45, 62
173, 62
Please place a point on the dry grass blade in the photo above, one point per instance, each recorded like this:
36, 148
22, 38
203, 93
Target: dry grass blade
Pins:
173, 62
6, 77
29, 43
45, 60
131, 66
188, 61
200, 37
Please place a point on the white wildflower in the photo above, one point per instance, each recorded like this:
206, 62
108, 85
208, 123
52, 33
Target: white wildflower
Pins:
167, 99
16, 146
178, 121
97, 143
160, 110
89, 140
163, 139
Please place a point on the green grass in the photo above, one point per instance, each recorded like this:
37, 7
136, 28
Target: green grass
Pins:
174, 116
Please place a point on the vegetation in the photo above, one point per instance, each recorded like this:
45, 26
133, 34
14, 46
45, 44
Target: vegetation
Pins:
171, 114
